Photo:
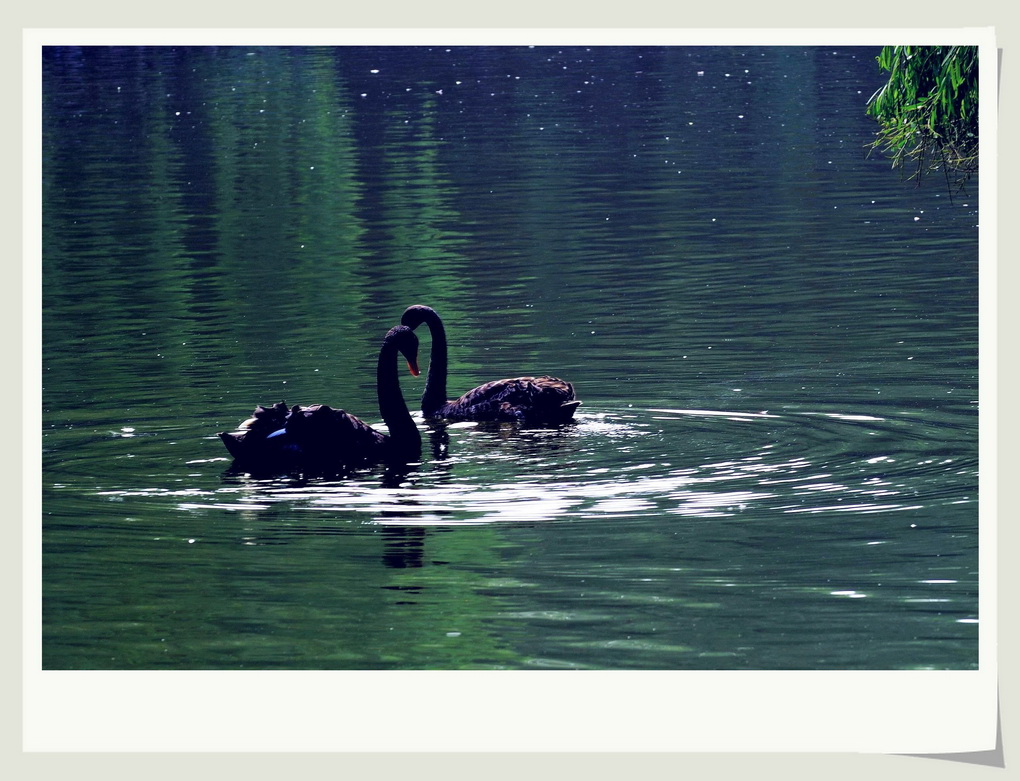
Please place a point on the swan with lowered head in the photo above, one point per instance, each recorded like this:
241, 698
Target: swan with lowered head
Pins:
538, 401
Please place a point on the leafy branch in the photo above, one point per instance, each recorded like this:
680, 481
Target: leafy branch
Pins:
928, 109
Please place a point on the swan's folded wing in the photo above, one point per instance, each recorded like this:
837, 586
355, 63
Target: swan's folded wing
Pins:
540, 400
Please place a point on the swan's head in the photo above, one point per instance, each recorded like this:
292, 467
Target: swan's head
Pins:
403, 338
417, 314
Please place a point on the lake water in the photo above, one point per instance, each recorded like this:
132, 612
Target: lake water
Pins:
774, 336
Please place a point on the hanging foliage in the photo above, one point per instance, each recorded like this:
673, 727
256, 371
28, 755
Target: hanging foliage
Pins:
928, 110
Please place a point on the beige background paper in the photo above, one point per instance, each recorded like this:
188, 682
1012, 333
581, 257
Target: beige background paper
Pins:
101, 711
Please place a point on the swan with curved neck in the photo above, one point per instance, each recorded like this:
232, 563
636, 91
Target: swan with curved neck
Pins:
539, 401
318, 436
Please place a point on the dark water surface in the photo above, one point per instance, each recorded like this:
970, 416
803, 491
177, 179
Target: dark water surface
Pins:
775, 338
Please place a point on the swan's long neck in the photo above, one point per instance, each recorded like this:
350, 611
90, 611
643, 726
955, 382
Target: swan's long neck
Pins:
404, 433
435, 396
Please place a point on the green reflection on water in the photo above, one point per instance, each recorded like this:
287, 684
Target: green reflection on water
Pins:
775, 340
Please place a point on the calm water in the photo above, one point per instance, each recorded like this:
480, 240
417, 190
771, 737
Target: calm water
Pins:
775, 338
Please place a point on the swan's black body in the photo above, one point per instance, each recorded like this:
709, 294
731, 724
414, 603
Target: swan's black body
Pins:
320, 437
536, 401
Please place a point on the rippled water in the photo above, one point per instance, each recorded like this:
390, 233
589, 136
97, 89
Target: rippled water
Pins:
775, 339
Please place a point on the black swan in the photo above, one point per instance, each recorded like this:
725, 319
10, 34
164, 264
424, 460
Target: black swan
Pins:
318, 436
537, 401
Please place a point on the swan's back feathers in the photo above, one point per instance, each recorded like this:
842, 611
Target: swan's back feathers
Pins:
538, 401
249, 442
316, 434
332, 436
267, 419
